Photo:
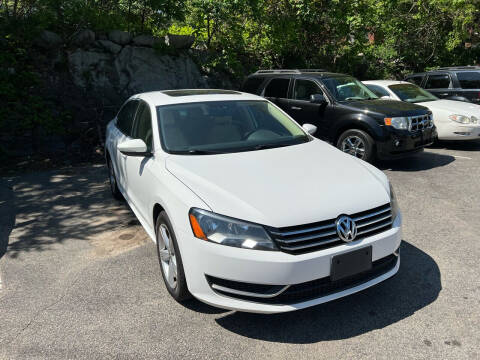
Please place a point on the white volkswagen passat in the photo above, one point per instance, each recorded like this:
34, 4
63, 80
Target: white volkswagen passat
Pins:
455, 120
248, 210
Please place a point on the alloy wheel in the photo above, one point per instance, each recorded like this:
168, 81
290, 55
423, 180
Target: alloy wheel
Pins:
168, 260
354, 145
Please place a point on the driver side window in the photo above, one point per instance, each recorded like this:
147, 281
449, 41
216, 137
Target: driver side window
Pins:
125, 117
142, 129
303, 89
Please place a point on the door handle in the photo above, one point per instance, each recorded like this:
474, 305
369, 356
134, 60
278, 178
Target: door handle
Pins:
296, 108
443, 94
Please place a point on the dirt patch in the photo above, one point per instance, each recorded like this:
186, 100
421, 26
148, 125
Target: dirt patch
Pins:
113, 243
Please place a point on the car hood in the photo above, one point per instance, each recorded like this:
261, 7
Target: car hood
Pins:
386, 108
454, 107
285, 186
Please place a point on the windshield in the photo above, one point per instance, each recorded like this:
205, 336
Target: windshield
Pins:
412, 93
215, 127
344, 88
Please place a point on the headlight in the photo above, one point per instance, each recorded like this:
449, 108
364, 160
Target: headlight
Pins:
462, 119
394, 204
224, 230
397, 122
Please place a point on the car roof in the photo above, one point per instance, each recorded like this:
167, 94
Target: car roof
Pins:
385, 82
447, 69
287, 73
181, 96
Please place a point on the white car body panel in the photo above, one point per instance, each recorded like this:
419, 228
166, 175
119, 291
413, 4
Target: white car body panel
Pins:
441, 109
277, 187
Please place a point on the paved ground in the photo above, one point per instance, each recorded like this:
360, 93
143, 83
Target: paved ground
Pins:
81, 280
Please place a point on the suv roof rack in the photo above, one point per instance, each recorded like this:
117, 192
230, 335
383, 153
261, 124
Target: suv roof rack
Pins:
468, 67
288, 71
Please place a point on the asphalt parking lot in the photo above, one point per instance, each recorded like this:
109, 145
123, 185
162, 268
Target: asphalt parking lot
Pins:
80, 279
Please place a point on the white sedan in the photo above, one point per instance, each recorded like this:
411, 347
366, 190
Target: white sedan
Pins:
455, 120
248, 210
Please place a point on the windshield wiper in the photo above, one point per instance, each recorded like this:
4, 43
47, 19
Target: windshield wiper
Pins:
203, 152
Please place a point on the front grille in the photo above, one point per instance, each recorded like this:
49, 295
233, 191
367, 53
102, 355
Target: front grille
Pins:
416, 123
321, 235
320, 287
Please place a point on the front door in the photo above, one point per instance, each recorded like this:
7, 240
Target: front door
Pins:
139, 172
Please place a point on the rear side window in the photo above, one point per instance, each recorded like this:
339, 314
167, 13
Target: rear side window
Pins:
277, 88
441, 81
469, 79
252, 84
417, 80
125, 117
304, 88
378, 90
143, 125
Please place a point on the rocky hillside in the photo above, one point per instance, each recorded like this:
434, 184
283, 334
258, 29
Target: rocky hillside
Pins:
84, 80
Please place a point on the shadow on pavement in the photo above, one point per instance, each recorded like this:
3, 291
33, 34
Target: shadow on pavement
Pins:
470, 145
423, 161
416, 285
55, 206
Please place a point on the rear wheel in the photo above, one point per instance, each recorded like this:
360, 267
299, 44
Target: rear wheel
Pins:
170, 260
357, 143
113, 181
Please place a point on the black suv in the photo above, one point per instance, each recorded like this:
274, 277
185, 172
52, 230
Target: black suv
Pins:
346, 112
455, 83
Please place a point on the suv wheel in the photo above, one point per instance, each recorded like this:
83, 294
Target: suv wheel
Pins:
170, 259
357, 143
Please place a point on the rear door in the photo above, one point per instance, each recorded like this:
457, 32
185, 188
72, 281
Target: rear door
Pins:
277, 92
469, 85
303, 111
415, 79
440, 84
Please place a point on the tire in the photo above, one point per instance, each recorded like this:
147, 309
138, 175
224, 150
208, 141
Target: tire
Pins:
357, 143
170, 260
113, 181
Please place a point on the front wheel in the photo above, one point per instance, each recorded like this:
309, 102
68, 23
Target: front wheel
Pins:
357, 143
170, 260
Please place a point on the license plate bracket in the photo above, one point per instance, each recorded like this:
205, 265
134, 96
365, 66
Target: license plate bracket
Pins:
351, 263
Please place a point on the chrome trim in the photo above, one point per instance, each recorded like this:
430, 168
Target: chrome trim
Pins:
304, 238
246, 293
287, 233
374, 221
375, 228
358, 218
299, 247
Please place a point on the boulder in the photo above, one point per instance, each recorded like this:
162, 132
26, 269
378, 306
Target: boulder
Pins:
179, 41
120, 37
146, 40
83, 38
108, 45
48, 40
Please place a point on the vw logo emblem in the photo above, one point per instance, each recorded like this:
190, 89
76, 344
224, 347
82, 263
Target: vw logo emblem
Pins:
346, 228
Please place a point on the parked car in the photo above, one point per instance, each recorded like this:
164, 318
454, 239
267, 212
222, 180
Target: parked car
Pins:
454, 120
346, 113
461, 83
248, 210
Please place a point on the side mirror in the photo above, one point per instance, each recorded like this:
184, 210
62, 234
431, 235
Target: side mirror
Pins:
309, 128
134, 147
318, 99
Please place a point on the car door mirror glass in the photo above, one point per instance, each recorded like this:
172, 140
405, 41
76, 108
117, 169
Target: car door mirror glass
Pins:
134, 147
318, 99
309, 128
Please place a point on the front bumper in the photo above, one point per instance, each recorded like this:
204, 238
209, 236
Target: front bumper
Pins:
401, 143
455, 131
202, 259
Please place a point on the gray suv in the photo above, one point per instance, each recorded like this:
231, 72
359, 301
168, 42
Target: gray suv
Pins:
460, 83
